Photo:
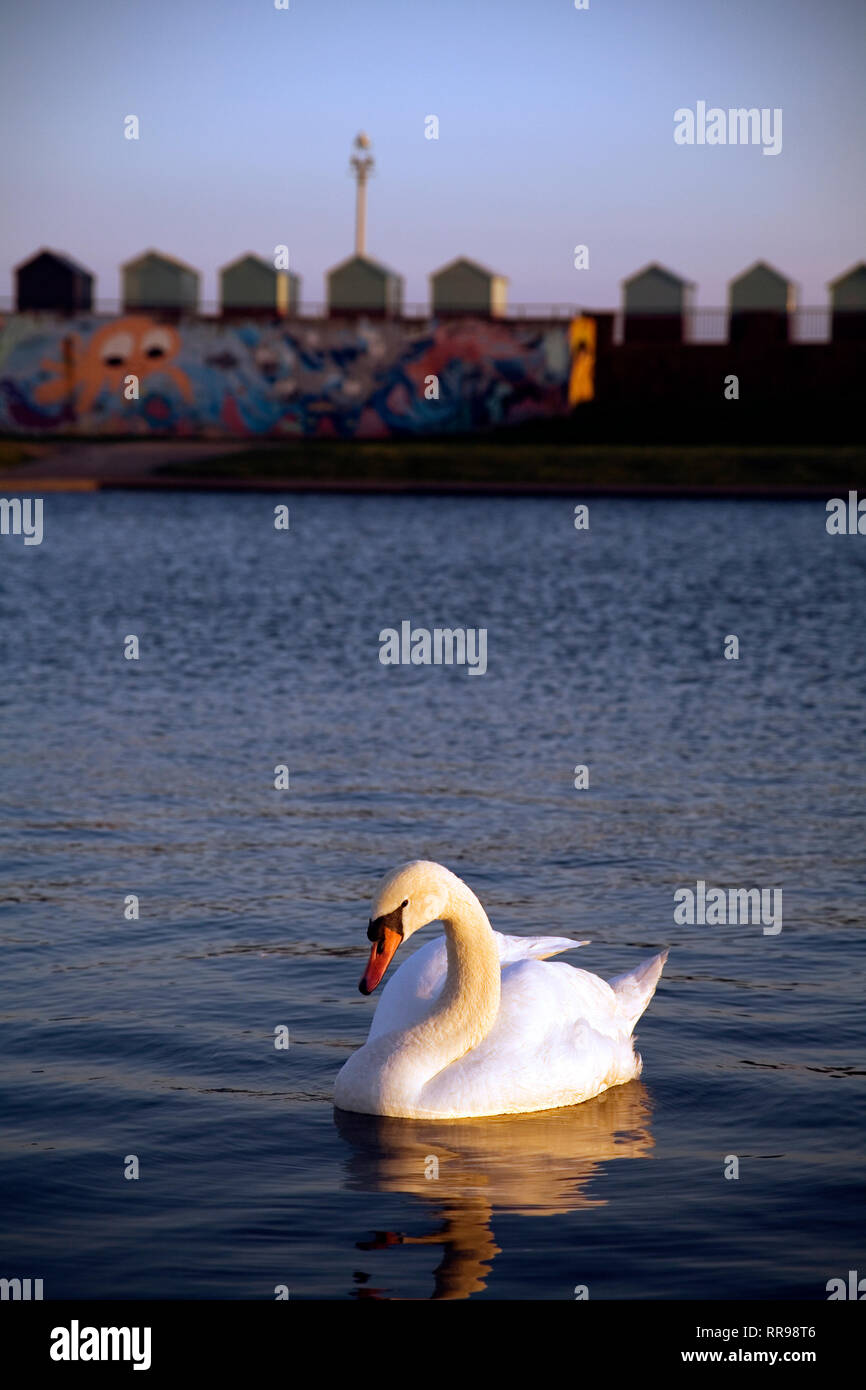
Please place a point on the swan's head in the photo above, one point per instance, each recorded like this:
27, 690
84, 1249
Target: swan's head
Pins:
407, 899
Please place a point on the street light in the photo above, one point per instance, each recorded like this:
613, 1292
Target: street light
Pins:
362, 165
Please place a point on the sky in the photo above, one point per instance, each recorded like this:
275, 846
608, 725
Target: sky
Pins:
556, 129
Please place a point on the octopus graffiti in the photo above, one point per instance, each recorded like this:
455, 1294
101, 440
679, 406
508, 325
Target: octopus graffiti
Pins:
137, 375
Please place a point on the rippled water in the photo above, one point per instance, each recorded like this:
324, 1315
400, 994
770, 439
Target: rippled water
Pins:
156, 1037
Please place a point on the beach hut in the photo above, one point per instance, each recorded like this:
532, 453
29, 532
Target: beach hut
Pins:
160, 284
655, 302
848, 305
51, 282
251, 287
361, 285
465, 287
760, 301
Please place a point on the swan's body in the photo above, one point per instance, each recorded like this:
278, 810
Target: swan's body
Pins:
477, 1023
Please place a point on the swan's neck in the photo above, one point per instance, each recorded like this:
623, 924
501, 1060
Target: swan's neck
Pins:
470, 1000
469, 1003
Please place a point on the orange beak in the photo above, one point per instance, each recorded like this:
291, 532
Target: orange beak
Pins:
380, 959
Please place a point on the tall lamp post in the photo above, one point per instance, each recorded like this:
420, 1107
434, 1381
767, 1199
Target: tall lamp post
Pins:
362, 165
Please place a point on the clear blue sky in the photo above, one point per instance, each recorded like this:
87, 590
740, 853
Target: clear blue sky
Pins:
556, 127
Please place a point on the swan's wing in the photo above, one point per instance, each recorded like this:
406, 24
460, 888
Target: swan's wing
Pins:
558, 1039
635, 988
536, 996
514, 948
412, 991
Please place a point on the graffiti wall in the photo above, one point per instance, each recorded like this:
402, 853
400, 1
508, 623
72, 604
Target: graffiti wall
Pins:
137, 375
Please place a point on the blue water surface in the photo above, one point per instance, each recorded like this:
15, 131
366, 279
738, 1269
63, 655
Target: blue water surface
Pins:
155, 1037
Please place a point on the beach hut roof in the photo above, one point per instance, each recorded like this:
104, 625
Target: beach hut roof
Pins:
473, 265
59, 256
151, 254
655, 269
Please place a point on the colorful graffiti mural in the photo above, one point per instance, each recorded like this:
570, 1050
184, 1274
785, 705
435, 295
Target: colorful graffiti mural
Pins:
140, 376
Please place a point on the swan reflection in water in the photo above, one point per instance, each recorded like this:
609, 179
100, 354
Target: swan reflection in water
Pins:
526, 1165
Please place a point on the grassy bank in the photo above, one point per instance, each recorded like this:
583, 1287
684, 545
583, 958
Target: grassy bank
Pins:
488, 463
14, 452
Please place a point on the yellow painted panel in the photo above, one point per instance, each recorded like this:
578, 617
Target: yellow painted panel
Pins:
581, 342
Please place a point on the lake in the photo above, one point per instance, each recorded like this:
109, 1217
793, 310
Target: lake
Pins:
155, 777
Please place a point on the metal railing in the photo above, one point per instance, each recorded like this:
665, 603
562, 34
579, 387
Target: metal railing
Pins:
810, 324
313, 309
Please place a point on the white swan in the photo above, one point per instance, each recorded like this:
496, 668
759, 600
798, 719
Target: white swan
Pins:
477, 1023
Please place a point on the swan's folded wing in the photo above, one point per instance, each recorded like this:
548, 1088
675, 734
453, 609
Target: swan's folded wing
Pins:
410, 994
513, 948
556, 1041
